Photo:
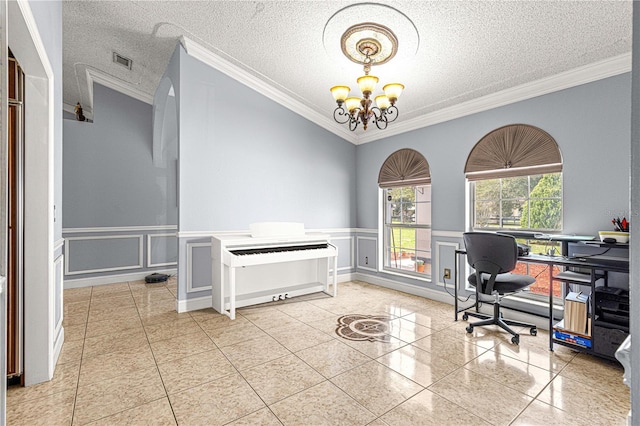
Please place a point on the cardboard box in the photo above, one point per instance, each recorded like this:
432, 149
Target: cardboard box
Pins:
576, 312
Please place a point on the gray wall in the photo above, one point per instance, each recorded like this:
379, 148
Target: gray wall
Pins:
244, 159
109, 177
590, 123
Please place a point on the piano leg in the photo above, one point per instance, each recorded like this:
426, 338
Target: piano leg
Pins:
232, 293
335, 276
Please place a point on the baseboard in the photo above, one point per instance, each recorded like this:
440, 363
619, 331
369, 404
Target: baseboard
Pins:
194, 304
405, 288
111, 279
343, 278
57, 347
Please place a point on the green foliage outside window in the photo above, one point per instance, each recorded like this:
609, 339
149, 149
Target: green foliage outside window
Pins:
545, 206
526, 202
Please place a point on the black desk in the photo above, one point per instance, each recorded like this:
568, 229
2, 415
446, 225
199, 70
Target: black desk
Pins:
561, 238
598, 267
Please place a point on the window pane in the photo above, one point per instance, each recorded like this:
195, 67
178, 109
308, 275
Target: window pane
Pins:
423, 194
515, 187
545, 214
511, 213
548, 186
423, 241
487, 214
407, 244
526, 202
488, 189
408, 213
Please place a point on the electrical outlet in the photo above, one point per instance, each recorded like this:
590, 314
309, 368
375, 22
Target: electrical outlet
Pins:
447, 274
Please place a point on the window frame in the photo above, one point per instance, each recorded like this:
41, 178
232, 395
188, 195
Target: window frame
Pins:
472, 206
524, 300
387, 227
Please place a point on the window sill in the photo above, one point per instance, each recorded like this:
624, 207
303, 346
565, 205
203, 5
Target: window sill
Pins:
413, 276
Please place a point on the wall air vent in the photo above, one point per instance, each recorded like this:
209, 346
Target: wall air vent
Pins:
121, 60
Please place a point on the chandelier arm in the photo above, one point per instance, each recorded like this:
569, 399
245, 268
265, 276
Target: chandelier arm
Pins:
353, 122
392, 114
379, 118
339, 113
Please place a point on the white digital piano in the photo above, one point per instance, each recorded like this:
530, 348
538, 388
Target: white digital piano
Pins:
275, 261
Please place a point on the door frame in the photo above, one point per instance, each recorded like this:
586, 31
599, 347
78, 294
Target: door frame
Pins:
42, 336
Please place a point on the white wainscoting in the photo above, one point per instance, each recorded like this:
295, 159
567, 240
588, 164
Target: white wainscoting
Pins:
368, 268
439, 244
351, 252
144, 237
150, 263
190, 287
58, 331
68, 248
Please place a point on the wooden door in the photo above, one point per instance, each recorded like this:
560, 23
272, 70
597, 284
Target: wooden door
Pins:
14, 228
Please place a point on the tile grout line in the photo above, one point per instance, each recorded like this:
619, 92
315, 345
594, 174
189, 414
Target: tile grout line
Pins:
154, 360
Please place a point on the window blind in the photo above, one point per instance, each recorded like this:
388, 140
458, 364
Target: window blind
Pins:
405, 167
513, 150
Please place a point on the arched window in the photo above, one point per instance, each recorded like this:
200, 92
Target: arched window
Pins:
406, 183
516, 180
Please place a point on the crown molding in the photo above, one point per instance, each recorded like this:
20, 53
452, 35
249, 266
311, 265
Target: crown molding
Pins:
585, 74
95, 76
203, 54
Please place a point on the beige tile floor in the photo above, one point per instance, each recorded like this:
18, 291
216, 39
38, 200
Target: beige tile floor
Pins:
130, 359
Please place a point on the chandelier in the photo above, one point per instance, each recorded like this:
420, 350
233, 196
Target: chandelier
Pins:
366, 44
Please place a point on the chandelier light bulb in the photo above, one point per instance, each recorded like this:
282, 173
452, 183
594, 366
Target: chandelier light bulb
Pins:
393, 91
352, 103
367, 84
340, 93
382, 102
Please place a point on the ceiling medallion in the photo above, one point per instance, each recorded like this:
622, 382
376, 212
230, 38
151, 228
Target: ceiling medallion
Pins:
367, 44
369, 40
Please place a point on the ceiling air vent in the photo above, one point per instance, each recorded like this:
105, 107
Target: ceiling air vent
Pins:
121, 60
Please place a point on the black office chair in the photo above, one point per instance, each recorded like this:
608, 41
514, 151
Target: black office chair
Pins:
494, 256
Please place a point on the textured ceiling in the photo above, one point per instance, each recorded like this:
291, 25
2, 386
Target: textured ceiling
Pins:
450, 52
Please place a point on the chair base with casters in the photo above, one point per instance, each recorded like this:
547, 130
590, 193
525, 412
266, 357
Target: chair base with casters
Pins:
499, 320
494, 256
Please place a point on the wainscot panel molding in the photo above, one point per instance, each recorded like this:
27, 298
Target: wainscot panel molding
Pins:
58, 312
447, 234
209, 234
440, 264
110, 229
366, 231
150, 247
147, 257
58, 244
190, 284
351, 252
373, 264
68, 248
